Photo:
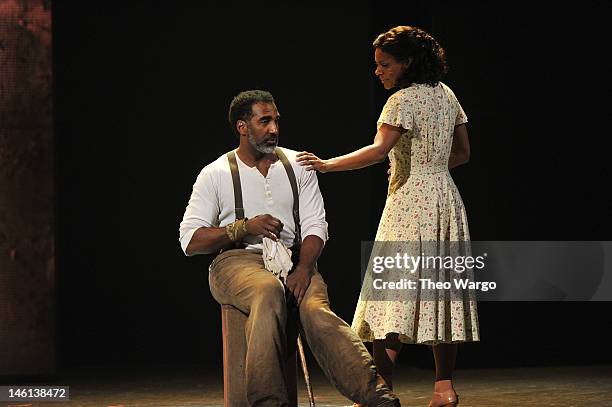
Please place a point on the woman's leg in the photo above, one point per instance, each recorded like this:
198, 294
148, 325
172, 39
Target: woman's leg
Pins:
444, 393
385, 353
445, 355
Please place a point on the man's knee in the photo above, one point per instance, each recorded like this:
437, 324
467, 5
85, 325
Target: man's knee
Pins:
270, 293
314, 312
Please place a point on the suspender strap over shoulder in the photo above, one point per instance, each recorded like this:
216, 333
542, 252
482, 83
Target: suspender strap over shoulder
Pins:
238, 205
296, 197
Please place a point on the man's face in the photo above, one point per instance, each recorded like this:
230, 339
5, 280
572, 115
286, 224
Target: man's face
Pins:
262, 129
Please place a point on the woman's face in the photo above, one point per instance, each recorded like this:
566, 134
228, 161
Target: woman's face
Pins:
388, 69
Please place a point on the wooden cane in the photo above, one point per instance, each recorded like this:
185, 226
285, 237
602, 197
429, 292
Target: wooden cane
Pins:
305, 367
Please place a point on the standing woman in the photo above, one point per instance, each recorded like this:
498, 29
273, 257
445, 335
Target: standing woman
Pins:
422, 130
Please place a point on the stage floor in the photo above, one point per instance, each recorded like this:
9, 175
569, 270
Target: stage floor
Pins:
165, 386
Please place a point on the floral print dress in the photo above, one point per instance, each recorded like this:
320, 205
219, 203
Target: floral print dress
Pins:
423, 213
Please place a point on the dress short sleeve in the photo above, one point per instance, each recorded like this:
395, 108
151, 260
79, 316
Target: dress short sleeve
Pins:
397, 112
461, 116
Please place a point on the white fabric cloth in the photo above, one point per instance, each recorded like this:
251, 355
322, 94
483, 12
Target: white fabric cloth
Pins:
212, 200
277, 258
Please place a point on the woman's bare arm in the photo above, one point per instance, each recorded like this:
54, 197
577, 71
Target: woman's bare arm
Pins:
386, 137
460, 150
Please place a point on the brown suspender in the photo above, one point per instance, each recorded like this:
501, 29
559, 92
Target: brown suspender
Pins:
239, 206
296, 197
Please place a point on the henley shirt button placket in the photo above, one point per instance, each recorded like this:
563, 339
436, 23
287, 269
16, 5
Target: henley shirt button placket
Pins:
269, 199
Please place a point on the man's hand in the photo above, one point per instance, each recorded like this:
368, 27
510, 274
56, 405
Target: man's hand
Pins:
298, 282
265, 225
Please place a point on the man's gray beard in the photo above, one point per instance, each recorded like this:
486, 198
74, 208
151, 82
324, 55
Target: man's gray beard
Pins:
262, 148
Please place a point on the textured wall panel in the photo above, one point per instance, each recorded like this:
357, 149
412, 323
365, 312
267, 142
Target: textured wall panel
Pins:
27, 275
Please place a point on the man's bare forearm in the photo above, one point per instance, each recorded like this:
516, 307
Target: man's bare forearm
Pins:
311, 249
211, 239
208, 240
299, 280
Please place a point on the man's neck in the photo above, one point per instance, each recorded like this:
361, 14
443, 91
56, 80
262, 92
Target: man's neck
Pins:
252, 157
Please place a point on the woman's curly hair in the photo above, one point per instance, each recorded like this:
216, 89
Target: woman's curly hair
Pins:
428, 59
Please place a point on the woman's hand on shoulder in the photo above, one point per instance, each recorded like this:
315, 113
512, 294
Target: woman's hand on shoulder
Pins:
312, 162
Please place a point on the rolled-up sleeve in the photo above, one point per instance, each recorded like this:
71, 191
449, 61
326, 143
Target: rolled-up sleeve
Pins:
202, 209
312, 208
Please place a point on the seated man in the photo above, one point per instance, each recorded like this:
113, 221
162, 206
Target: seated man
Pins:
238, 200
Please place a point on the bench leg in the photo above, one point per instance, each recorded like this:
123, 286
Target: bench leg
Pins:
234, 355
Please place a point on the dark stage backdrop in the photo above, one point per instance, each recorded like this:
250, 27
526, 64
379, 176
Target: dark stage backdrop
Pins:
141, 97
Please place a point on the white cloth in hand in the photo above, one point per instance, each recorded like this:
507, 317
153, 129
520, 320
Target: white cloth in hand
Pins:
277, 258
